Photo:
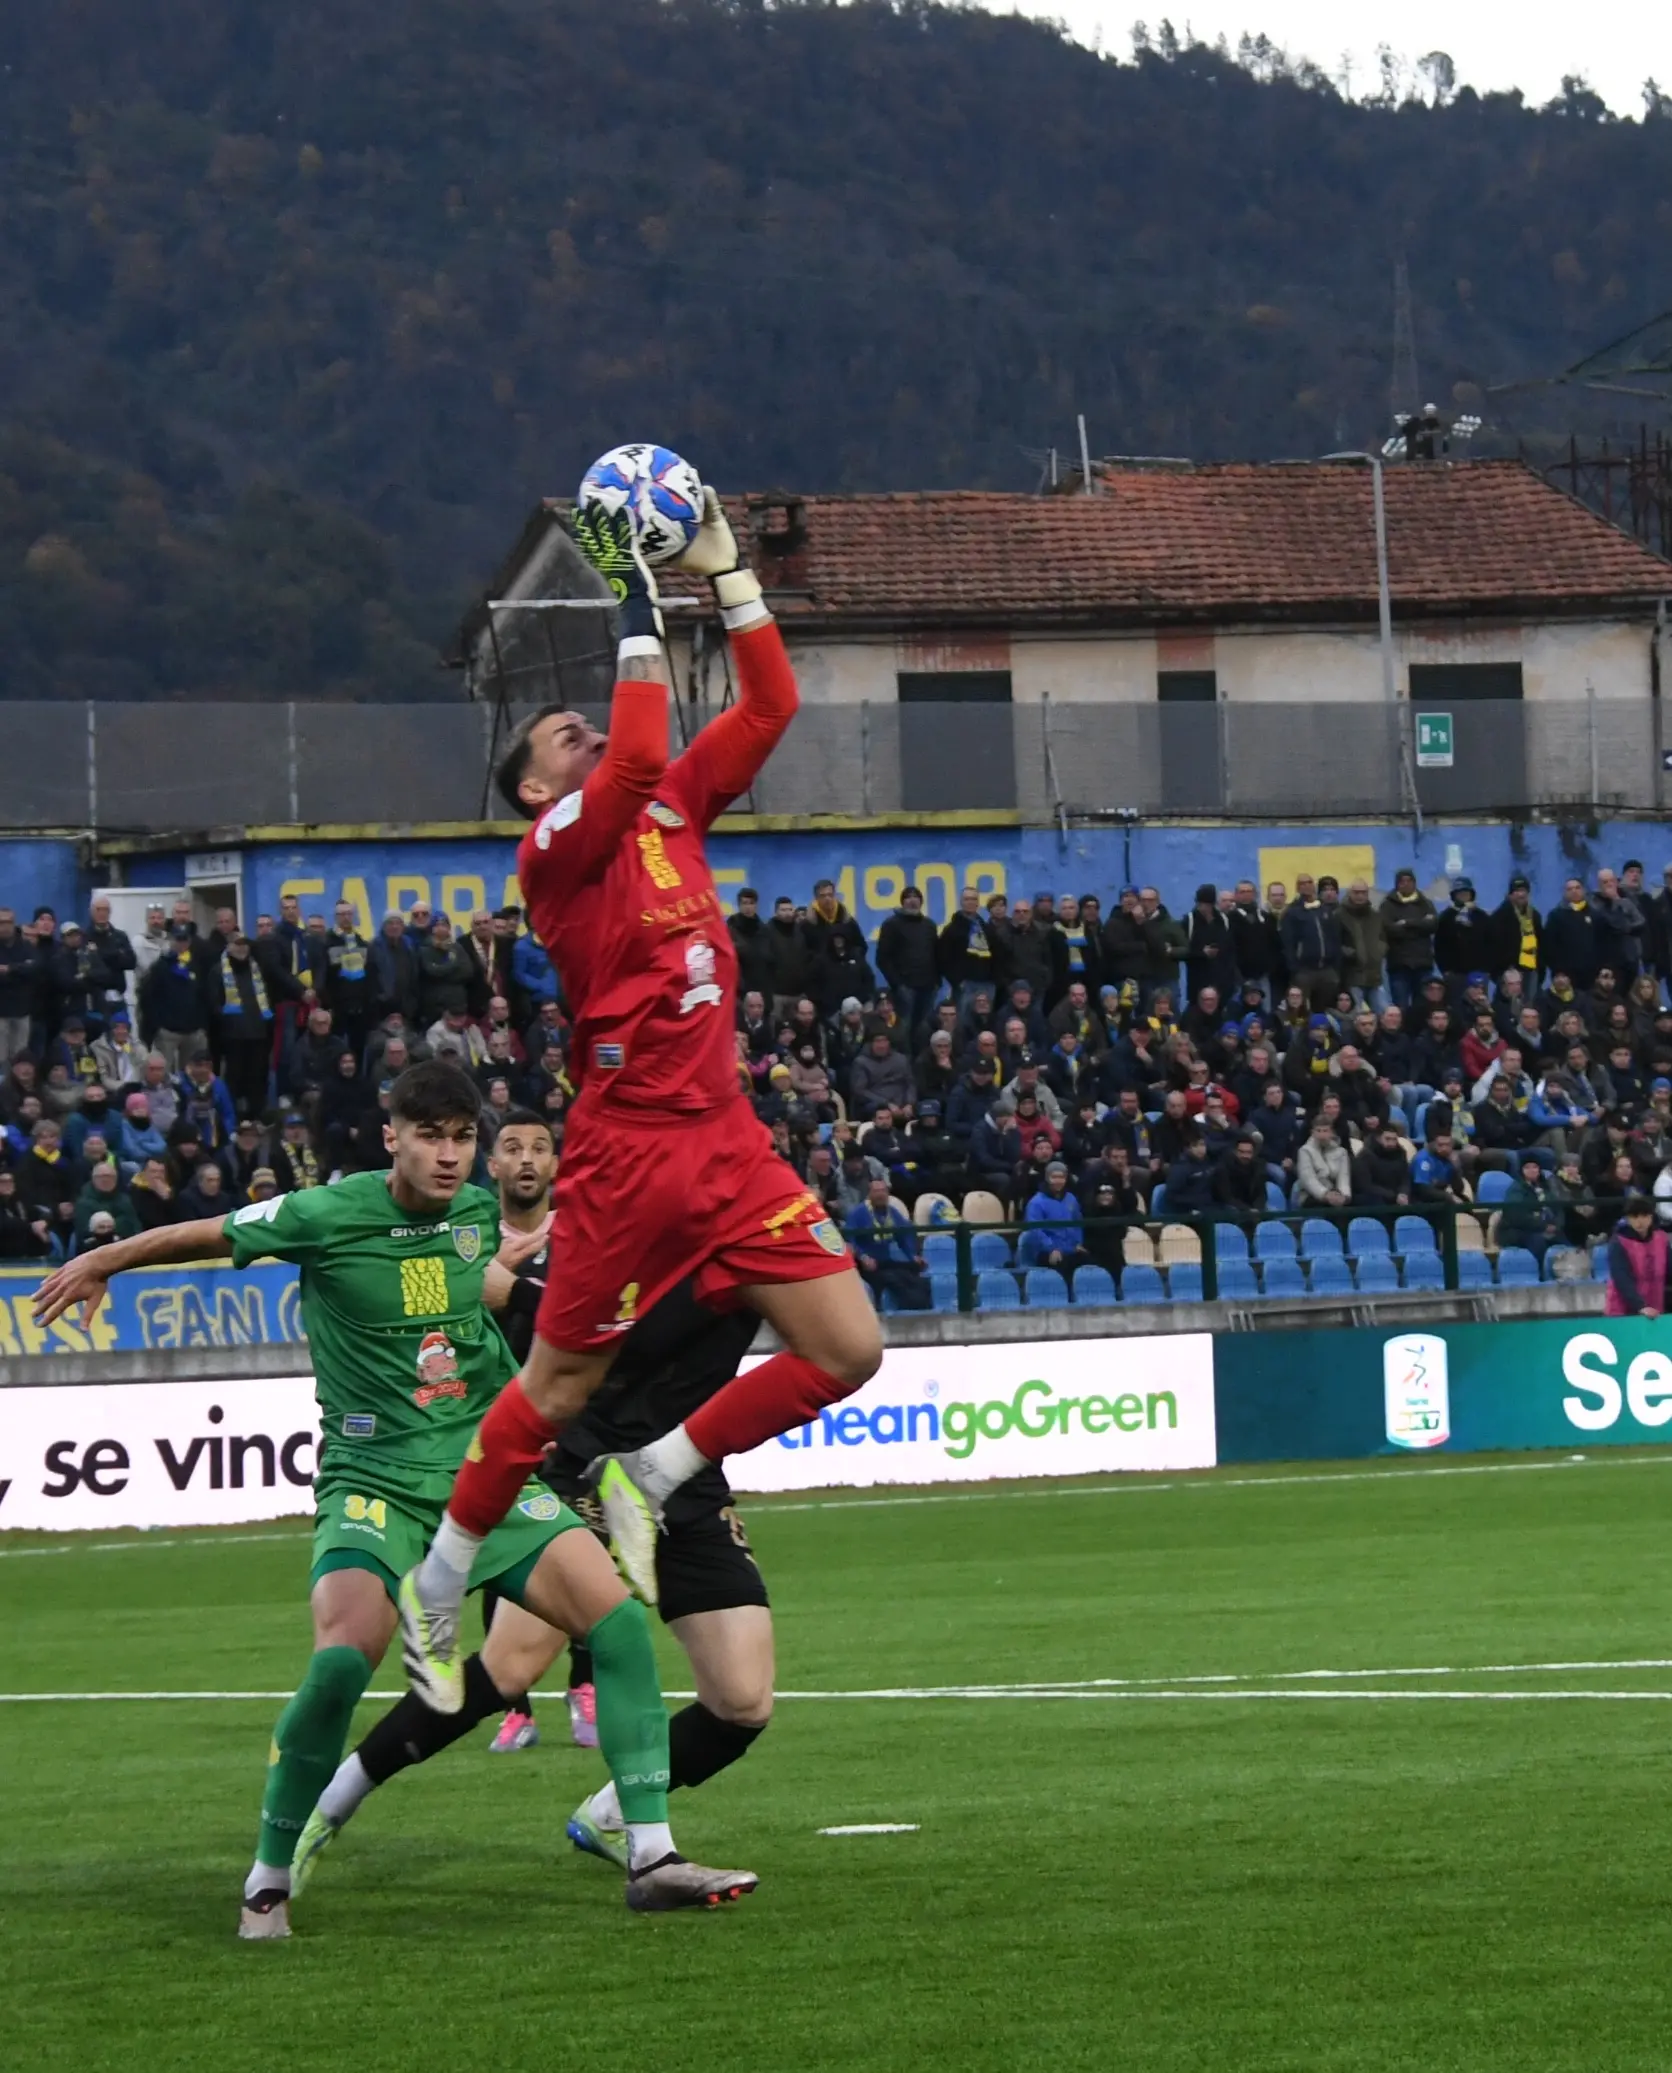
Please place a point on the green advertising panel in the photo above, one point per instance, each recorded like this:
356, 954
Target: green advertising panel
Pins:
1466, 1388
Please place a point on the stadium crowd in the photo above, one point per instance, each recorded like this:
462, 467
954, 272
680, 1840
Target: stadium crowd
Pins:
1318, 1049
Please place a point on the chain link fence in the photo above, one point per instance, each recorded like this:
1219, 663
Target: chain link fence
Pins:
194, 768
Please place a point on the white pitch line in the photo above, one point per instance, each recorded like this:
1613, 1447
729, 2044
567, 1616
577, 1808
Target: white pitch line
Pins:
874, 1828
148, 1541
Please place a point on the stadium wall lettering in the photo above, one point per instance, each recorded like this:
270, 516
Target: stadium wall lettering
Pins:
162, 1308
1457, 1388
870, 865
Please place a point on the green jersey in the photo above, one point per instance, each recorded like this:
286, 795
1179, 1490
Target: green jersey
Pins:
406, 1360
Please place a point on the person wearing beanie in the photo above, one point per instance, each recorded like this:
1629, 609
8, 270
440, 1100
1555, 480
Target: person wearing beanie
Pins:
1515, 936
1210, 955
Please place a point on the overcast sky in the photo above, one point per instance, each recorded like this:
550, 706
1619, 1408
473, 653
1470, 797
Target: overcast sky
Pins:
1494, 43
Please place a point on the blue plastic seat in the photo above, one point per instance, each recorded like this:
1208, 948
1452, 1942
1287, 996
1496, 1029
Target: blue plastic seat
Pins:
1033, 1245
1517, 1268
1492, 1188
1331, 1276
997, 1290
1284, 1278
1415, 1234
1158, 1201
1275, 1198
943, 1291
1185, 1281
1142, 1285
1273, 1241
1237, 1282
1474, 1270
1230, 1242
940, 1250
1425, 1270
1365, 1235
1045, 1289
989, 1249
1320, 1239
1378, 1274
1094, 1285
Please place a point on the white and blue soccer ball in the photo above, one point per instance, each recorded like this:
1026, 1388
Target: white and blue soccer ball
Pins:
661, 491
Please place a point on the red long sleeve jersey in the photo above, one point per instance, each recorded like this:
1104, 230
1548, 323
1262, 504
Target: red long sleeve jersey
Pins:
619, 891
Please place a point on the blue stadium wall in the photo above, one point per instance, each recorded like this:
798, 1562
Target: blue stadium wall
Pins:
872, 864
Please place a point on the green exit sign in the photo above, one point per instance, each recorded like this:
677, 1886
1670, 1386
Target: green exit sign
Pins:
1434, 741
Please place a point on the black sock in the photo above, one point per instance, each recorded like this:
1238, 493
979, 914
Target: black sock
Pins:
580, 1664
411, 1733
701, 1743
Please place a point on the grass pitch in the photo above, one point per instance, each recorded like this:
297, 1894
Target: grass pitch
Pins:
1462, 1859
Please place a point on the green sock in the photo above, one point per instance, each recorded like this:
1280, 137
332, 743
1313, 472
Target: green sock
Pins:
307, 1747
632, 1720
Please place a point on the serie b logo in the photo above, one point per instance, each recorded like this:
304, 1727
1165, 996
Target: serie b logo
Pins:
1416, 1389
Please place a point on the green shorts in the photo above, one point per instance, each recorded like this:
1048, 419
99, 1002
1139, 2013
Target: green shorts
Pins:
388, 1535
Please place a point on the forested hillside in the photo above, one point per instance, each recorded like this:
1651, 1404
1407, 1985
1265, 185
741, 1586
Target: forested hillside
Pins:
301, 306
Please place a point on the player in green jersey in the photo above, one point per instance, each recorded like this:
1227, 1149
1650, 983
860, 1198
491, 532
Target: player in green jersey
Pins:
406, 1361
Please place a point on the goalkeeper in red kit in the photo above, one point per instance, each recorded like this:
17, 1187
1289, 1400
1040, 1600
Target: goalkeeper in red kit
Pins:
666, 1171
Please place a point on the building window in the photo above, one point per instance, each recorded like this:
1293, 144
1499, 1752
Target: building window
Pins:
1444, 683
954, 686
1187, 686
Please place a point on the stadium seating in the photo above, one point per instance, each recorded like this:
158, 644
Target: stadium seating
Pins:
1158, 1201
1470, 1236
1320, 1239
1492, 1188
1045, 1289
1425, 1270
989, 1249
943, 1291
1094, 1285
1184, 1282
1415, 1234
1285, 1279
1474, 1269
1032, 1246
982, 1208
1273, 1241
1517, 1268
1599, 1264
1138, 1247
1331, 1276
934, 1209
1365, 1235
997, 1290
940, 1250
1378, 1273
1142, 1285
1230, 1242
1237, 1282
1177, 1242
1275, 1199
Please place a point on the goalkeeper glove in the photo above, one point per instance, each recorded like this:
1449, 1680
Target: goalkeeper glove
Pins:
611, 546
713, 553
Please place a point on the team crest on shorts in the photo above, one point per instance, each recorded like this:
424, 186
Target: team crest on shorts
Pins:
467, 1242
664, 814
544, 1506
828, 1236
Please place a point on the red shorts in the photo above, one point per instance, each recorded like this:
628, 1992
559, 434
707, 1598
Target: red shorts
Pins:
639, 1206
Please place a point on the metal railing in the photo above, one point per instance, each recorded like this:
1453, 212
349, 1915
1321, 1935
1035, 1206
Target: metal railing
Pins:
201, 766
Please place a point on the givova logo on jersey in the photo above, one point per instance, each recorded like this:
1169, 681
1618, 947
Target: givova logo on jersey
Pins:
1416, 1390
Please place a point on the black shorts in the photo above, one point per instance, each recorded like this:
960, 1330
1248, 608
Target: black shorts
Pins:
703, 1558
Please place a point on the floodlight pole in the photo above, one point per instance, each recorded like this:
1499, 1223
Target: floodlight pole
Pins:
1384, 614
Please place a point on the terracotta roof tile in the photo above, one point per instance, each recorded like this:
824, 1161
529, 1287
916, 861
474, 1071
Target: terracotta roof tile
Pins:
1209, 544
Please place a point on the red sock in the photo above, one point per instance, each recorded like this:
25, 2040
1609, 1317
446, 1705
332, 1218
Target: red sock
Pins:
504, 1454
781, 1393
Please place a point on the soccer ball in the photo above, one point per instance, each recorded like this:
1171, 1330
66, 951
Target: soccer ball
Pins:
661, 492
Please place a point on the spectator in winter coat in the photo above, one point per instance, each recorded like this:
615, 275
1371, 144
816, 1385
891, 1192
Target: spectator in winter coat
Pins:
1031, 945
1311, 939
1409, 923
1637, 1258
1515, 939
1435, 1176
1382, 1171
1481, 1047
24, 1233
970, 1101
1125, 947
314, 1060
825, 915
1530, 1217
79, 979
174, 1003
749, 931
1503, 1130
840, 968
1166, 942
1462, 942
1210, 955
103, 1194
392, 967
1574, 943
995, 1152
152, 1195
1057, 1212
1255, 948
138, 1138
18, 974
117, 952
533, 977
1363, 943
966, 947
1239, 1182
206, 1102
49, 1180
884, 1244
1621, 927
1076, 1011
1190, 1178
444, 975
1078, 954
908, 957
1323, 1170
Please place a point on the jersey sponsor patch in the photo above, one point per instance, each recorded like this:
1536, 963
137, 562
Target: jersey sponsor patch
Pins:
542, 1507
467, 1242
665, 814
609, 1057
359, 1425
701, 988
438, 1370
424, 1288
828, 1236
555, 818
